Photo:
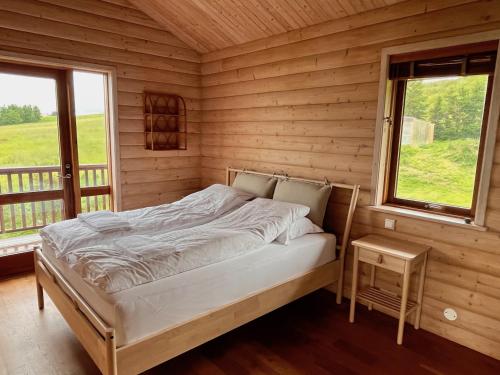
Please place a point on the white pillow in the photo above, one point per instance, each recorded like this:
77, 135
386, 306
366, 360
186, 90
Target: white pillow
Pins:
278, 208
297, 229
267, 218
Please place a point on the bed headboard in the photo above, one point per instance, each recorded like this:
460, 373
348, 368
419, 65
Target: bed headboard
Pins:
340, 209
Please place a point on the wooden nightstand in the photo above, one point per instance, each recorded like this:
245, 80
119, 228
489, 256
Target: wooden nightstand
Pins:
399, 256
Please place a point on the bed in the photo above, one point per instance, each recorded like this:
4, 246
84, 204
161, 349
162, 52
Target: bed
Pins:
132, 330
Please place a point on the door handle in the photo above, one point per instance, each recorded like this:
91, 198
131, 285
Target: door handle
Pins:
67, 175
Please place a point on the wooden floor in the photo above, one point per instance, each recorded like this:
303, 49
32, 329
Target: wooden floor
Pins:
310, 336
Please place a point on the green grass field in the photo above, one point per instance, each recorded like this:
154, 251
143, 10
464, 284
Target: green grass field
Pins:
37, 143
440, 172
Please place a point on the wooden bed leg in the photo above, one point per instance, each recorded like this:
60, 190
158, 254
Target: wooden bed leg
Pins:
39, 289
111, 368
39, 294
340, 282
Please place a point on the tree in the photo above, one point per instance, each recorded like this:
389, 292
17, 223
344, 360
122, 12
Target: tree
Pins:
10, 115
30, 113
14, 114
415, 106
454, 106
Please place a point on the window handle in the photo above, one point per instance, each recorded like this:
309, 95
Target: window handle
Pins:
433, 206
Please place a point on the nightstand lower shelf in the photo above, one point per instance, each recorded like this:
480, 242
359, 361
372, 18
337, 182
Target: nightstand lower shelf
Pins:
385, 300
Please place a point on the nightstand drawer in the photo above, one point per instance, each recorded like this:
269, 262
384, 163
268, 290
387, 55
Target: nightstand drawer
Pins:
382, 260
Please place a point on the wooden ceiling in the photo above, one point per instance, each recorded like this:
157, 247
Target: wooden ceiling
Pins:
210, 25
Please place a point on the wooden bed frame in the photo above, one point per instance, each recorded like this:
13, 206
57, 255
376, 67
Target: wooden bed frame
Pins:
97, 337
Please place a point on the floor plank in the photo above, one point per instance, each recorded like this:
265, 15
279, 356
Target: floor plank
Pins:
310, 336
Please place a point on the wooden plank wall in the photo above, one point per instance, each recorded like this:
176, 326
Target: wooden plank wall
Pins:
146, 58
305, 103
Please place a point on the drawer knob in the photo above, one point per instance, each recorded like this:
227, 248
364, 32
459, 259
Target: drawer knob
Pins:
380, 259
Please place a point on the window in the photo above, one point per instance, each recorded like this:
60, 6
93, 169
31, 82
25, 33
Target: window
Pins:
439, 114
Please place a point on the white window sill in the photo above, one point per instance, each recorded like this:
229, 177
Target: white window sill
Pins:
427, 216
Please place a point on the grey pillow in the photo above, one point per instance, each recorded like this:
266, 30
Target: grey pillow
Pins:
260, 186
314, 196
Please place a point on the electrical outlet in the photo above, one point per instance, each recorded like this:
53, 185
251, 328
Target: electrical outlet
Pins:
390, 224
450, 314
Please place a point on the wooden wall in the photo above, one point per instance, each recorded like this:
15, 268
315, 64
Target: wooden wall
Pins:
146, 58
305, 102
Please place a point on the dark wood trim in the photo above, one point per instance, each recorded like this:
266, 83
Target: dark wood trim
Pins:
73, 143
436, 208
463, 49
95, 190
393, 163
462, 60
49, 195
16, 263
66, 149
28, 70
33, 196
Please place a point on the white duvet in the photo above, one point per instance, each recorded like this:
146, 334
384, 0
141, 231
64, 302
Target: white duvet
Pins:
135, 259
195, 209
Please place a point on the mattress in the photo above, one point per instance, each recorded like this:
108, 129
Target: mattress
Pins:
148, 308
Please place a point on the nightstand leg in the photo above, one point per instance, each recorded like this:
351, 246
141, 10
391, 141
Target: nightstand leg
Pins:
420, 296
354, 285
404, 301
372, 283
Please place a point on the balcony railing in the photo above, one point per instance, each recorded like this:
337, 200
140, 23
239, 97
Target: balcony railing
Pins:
28, 215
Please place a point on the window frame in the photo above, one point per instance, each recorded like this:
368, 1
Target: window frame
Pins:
399, 96
384, 135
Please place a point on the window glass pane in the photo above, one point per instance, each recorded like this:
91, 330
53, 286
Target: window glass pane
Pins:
91, 128
91, 131
28, 126
440, 139
90, 117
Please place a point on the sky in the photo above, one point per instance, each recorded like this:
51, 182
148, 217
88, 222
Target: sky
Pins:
21, 90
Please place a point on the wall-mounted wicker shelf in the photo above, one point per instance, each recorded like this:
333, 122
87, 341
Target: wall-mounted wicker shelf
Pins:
165, 122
